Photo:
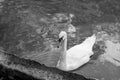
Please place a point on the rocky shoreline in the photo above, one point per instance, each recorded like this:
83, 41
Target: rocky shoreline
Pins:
15, 68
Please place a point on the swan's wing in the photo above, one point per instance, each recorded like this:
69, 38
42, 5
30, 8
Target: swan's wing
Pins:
77, 51
84, 48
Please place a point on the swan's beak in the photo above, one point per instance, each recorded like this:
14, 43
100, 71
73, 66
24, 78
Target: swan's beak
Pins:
60, 39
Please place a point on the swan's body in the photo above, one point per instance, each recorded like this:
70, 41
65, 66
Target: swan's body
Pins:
76, 56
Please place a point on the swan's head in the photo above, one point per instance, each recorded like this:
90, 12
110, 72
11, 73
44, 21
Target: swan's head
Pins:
62, 36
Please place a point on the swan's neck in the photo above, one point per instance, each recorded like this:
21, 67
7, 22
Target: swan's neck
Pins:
64, 49
62, 63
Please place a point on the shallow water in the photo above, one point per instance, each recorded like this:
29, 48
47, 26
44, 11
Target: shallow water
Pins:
106, 66
112, 53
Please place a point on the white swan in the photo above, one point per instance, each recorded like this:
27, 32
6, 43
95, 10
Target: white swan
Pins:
77, 55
